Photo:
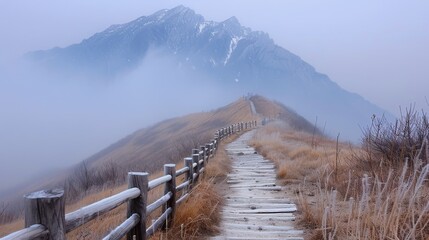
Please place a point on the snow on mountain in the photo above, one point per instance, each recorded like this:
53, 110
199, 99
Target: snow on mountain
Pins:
235, 56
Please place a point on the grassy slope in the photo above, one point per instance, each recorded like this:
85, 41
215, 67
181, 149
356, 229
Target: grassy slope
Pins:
272, 109
338, 199
147, 150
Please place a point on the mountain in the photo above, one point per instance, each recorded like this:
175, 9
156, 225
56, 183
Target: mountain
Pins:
233, 56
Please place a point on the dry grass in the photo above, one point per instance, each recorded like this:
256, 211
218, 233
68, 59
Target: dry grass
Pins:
93, 230
300, 155
100, 226
163, 143
11, 227
198, 216
147, 150
276, 110
144, 150
220, 165
348, 199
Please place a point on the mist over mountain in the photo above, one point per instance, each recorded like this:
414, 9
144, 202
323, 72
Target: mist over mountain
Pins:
234, 57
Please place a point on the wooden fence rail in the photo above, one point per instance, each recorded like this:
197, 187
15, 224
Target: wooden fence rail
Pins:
45, 216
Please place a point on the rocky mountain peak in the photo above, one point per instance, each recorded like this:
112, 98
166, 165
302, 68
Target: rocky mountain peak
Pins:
228, 53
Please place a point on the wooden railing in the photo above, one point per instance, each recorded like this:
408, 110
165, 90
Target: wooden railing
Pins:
45, 216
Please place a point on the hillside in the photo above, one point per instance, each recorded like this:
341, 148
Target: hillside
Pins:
273, 109
149, 148
163, 142
146, 149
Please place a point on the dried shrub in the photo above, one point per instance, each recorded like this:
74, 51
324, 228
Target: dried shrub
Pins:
390, 144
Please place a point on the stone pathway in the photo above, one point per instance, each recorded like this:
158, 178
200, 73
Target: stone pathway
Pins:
255, 207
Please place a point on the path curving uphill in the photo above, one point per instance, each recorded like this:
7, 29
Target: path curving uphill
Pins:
254, 207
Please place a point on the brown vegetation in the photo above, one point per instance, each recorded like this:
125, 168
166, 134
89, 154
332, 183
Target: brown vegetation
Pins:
379, 191
199, 216
145, 150
276, 110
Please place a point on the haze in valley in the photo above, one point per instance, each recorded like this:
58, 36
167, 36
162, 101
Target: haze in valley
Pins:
376, 49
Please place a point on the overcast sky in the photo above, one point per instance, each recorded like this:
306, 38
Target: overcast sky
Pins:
379, 49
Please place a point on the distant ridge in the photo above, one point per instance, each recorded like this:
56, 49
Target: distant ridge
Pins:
149, 148
231, 55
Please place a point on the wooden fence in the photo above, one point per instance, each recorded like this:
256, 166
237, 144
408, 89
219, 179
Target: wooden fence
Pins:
45, 216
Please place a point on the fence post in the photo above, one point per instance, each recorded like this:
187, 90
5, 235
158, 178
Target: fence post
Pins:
213, 142
195, 159
190, 174
208, 151
216, 143
196, 151
203, 148
46, 208
138, 205
170, 186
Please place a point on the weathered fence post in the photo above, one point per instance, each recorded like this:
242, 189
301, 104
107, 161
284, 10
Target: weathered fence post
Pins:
138, 205
204, 156
196, 159
170, 186
216, 143
196, 151
208, 151
212, 144
46, 208
190, 174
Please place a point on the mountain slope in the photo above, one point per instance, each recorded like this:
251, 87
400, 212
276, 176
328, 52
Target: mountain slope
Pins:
233, 56
165, 142
147, 149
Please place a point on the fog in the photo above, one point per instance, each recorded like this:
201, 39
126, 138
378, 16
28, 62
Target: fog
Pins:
49, 123
376, 49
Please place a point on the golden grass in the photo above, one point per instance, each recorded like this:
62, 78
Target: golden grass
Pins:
157, 145
220, 164
11, 227
162, 143
198, 216
349, 201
